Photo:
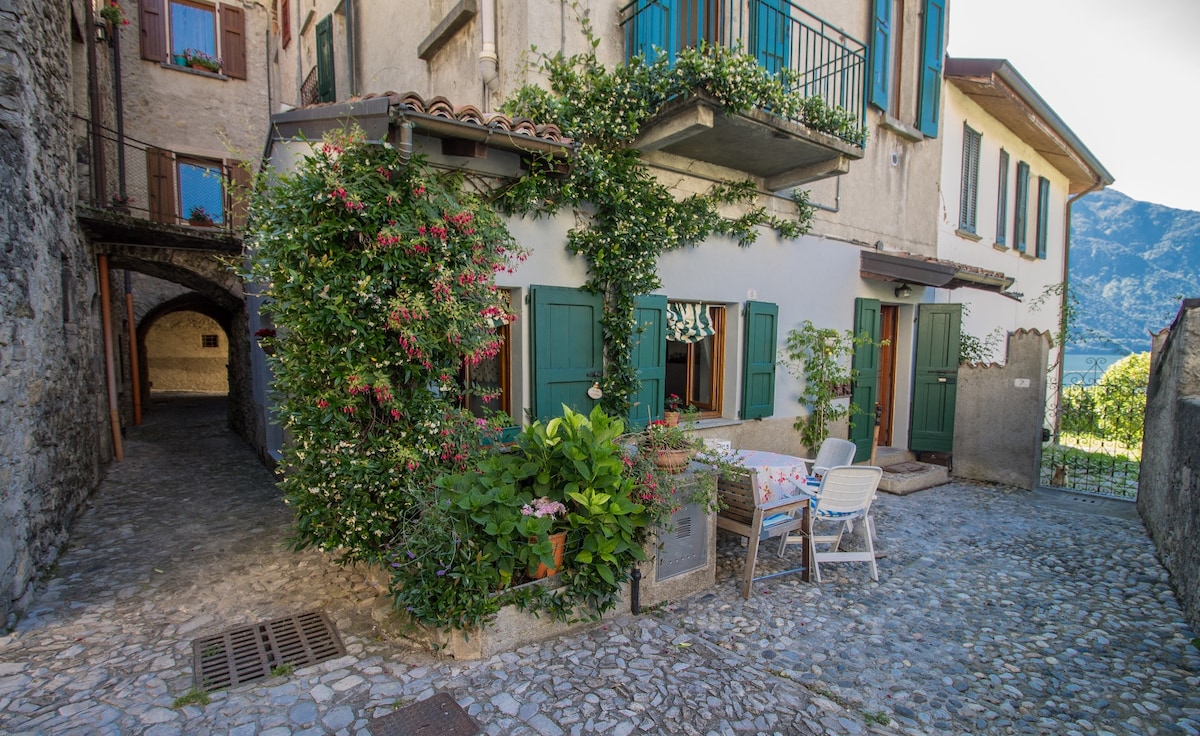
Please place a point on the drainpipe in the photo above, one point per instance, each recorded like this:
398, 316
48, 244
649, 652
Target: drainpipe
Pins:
1098, 184
489, 62
134, 373
351, 20
118, 111
406, 140
97, 163
110, 364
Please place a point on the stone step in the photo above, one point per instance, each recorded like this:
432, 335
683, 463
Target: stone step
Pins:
885, 456
906, 477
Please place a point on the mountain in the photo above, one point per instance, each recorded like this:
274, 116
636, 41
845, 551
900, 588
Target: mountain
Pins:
1131, 264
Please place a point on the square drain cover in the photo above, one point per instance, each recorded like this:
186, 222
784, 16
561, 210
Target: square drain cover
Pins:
251, 652
440, 715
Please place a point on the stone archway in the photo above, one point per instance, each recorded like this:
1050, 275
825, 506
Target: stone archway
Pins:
214, 290
189, 368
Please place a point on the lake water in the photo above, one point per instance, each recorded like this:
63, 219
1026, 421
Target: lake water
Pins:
1090, 365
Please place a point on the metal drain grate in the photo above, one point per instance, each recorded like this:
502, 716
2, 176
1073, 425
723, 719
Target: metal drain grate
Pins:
250, 653
440, 715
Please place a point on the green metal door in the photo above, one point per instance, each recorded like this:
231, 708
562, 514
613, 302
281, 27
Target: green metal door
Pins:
935, 377
568, 351
864, 392
649, 360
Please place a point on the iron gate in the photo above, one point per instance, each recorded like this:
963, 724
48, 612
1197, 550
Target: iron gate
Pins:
1096, 443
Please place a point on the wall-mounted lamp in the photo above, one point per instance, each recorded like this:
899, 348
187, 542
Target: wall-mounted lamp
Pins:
903, 291
101, 31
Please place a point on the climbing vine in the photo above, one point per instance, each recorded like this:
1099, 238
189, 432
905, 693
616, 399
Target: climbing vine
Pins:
628, 217
820, 357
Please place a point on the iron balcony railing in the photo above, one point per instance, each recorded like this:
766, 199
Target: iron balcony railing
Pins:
827, 62
136, 178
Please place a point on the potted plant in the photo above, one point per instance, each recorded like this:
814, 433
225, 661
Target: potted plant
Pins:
264, 336
671, 447
120, 203
113, 13
200, 217
197, 59
671, 408
544, 507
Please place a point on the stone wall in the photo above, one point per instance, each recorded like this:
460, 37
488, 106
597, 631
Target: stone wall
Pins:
53, 439
187, 351
1169, 489
999, 415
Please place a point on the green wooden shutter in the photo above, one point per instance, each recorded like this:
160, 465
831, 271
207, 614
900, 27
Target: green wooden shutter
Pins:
326, 90
1043, 215
1021, 207
864, 391
969, 190
568, 350
649, 360
935, 377
881, 54
1002, 199
758, 364
933, 49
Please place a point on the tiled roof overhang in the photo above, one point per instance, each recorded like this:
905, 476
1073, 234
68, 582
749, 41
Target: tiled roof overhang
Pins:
377, 115
1004, 94
911, 269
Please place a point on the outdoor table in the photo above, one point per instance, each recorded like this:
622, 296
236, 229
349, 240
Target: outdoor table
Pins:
779, 476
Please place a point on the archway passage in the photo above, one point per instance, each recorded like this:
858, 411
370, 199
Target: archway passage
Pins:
185, 347
204, 345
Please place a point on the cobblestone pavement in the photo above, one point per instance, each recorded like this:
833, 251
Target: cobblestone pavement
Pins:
996, 612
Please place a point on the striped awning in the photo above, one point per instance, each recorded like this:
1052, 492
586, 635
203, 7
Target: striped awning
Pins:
688, 322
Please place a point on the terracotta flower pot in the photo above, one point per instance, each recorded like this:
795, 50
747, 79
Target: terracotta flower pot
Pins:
671, 418
558, 541
672, 461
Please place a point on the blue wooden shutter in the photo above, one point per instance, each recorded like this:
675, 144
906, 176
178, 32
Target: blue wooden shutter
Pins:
326, 90
933, 49
1021, 207
650, 24
649, 360
1043, 215
758, 365
1002, 200
881, 54
772, 42
864, 390
568, 350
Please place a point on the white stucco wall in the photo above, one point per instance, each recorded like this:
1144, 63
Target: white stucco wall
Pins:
1036, 278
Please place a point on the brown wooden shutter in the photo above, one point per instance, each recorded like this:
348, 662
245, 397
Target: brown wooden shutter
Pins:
239, 186
285, 22
160, 180
153, 27
233, 42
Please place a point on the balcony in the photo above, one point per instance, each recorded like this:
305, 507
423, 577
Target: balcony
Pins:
134, 193
783, 153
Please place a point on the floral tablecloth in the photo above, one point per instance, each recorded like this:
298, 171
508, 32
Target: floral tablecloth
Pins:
778, 475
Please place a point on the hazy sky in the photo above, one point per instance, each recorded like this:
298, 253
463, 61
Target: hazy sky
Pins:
1123, 74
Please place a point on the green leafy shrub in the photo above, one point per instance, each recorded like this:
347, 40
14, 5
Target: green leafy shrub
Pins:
378, 273
820, 357
1120, 399
467, 543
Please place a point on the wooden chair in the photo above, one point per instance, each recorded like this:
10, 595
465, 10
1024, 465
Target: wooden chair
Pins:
742, 512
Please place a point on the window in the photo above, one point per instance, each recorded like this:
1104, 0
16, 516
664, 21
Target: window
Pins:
209, 341
933, 49
201, 189
970, 179
1002, 199
1043, 215
1021, 207
171, 27
489, 380
696, 354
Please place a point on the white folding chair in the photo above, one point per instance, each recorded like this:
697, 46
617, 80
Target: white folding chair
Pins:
845, 494
833, 452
